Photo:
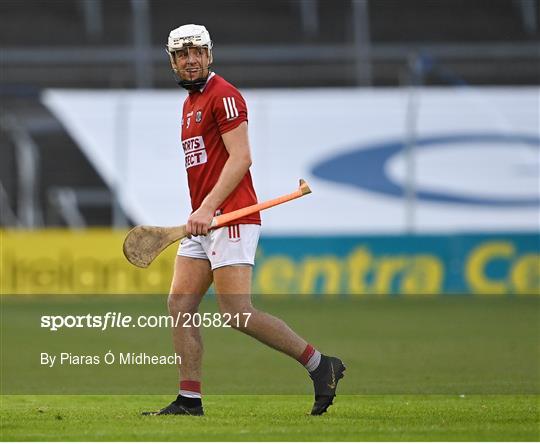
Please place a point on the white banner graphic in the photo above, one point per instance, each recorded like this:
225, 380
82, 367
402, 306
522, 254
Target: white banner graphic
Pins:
475, 161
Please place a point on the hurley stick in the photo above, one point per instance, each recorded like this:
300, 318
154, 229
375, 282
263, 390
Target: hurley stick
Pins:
144, 243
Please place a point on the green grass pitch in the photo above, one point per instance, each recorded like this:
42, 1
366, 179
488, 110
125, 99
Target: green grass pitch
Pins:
273, 418
417, 369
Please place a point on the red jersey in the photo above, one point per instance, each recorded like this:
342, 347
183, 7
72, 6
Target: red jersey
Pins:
207, 114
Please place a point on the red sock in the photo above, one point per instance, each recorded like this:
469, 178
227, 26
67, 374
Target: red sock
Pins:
308, 353
310, 358
190, 389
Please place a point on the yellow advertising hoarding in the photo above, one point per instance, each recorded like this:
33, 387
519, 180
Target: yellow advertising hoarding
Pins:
91, 262
79, 262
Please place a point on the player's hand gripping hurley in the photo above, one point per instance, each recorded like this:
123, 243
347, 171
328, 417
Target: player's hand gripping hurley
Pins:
144, 242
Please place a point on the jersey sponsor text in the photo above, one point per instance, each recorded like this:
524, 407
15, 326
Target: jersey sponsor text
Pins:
193, 144
195, 152
195, 158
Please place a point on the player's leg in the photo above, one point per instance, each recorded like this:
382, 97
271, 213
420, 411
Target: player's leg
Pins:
231, 251
192, 278
233, 290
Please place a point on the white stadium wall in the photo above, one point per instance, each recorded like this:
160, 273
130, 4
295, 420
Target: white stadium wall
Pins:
476, 156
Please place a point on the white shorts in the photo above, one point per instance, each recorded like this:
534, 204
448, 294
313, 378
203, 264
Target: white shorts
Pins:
234, 245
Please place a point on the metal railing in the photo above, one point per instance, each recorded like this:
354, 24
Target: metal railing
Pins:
27, 164
68, 201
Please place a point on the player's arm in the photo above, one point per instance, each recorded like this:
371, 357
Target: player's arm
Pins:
237, 144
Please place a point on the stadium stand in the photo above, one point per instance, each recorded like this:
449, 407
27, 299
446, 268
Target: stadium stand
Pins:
91, 44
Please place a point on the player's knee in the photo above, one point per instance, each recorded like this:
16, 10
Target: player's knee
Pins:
233, 307
181, 303
237, 313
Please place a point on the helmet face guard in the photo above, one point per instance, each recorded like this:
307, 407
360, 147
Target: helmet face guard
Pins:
182, 38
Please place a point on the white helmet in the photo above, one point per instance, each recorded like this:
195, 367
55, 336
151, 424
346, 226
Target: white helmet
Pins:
190, 35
